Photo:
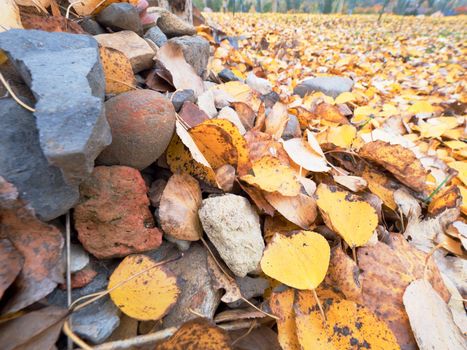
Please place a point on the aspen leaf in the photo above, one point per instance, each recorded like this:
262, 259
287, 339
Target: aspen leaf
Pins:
117, 70
380, 185
303, 155
300, 209
398, 160
345, 97
330, 113
178, 210
197, 334
272, 176
421, 107
347, 214
353, 183
348, 326
363, 114
307, 254
341, 136
148, 296
276, 120
461, 167
281, 303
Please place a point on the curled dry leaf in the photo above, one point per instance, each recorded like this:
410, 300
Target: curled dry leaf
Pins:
347, 214
353, 183
197, 334
225, 177
430, 318
272, 176
246, 114
304, 156
348, 325
178, 210
307, 254
117, 70
448, 198
223, 281
399, 161
276, 120
9, 15
257, 196
261, 144
149, 295
281, 303
183, 75
300, 209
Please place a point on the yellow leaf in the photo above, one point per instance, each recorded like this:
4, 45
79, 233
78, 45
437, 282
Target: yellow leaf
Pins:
436, 127
281, 303
380, 185
347, 214
149, 295
272, 176
362, 114
303, 155
461, 167
307, 254
341, 136
345, 97
464, 199
178, 209
348, 326
421, 107
117, 70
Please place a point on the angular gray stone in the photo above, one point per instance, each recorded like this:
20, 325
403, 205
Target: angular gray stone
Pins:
171, 24
179, 97
196, 51
91, 26
65, 75
156, 36
331, 86
120, 16
233, 227
23, 163
227, 75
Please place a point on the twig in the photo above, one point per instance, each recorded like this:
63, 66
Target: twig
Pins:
8, 88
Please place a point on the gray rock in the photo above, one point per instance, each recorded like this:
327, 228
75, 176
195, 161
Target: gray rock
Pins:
292, 128
331, 86
156, 36
233, 227
172, 25
65, 75
227, 75
250, 288
179, 97
196, 51
197, 291
120, 16
91, 26
23, 163
270, 99
79, 258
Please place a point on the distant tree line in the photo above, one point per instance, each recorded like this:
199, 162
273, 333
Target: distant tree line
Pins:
400, 7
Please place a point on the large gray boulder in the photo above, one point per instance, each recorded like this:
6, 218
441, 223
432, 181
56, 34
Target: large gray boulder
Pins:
66, 77
23, 163
196, 51
233, 227
331, 86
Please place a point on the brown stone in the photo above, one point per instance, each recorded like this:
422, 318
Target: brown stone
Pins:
112, 217
81, 278
142, 124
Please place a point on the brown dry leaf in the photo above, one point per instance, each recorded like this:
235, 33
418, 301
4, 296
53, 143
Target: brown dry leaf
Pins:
50, 24
272, 176
191, 114
258, 198
149, 295
380, 185
347, 214
183, 76
246, 114
348, 325
197, 334
277, 224
11, 263
88, 7
353, 183
430, 318
448, 198
300, 209
117, 70
387, 270
330, 113
238, 314
281, 303
178, 210
343, 274
276, 120
303, 155
34, 330
9, 15
225, 177
261, 144
399, 161
40, 245
222, 281
307, 254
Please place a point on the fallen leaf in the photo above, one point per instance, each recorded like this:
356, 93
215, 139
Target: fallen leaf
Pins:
50, 24
276, 120
421, 107
117, 70
149, 295
382, 186
304, 156
9, 15
461, 167
347, 214
191, 114
246, 114
353, 183
400, 161
300, 209
281, 303
330, 113
222, 281
348, 325
430, 318
271, 176
88, 7
195, 335
307, 254
178, 210
340, 136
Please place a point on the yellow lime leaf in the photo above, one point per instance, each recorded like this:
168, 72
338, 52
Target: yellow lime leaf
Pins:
272, 176
281, 303
149, 295
307, 254
345, 97
421, 107
347, 214
348, 326
461, 167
